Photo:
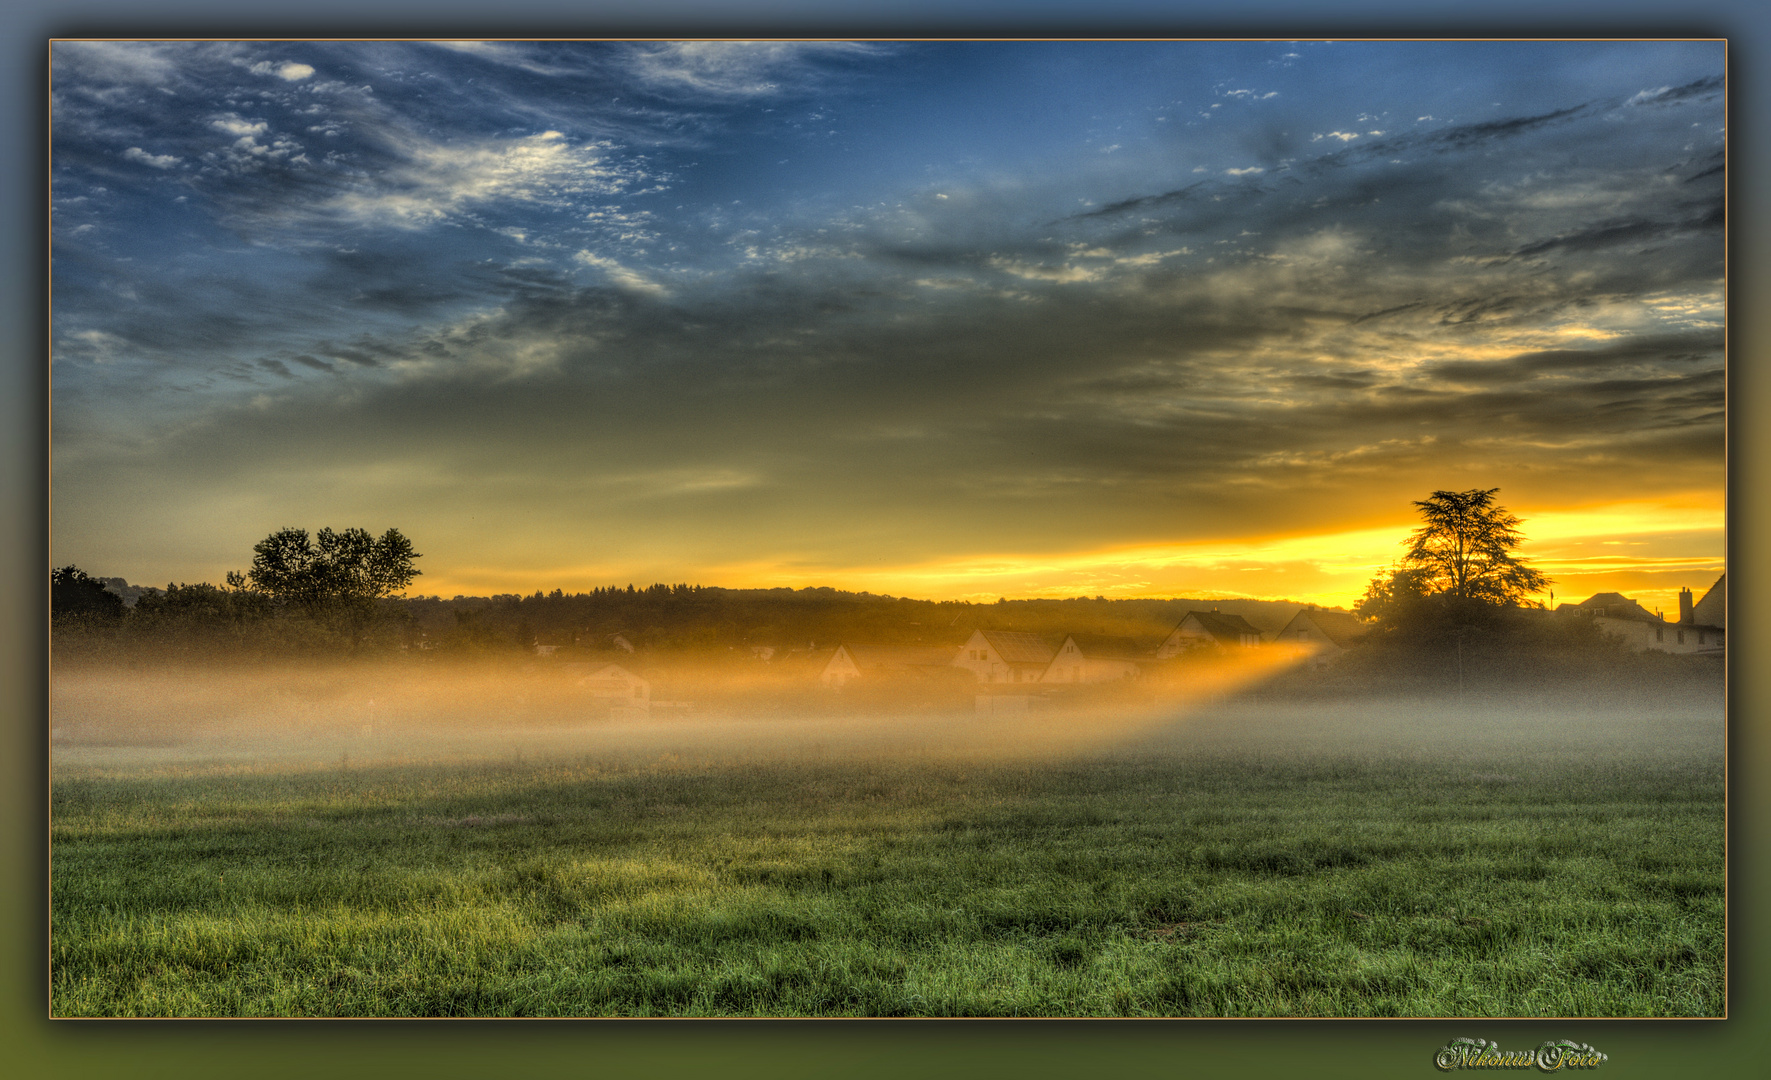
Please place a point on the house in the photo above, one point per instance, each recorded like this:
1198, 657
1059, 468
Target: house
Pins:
1705, 622
1712, 610
1321, 635
853, 661
1005, 656
1623, 618
1641, 629
1204, 629
624, 693
1092, 658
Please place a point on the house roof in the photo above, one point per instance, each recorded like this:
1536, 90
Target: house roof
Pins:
1019, 648
1340, 627
611, 671
1617, 606
1103, 647
1712, 610
790, 660
1221, 626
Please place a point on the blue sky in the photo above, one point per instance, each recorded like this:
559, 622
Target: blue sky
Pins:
928, 318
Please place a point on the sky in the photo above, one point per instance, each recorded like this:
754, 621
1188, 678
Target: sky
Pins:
937, 319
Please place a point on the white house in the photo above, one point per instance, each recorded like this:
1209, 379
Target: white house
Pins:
1321, 635
1204, 629
1004, 656
861, 661
1641, 629
625, 693
1709, 616
1091, 658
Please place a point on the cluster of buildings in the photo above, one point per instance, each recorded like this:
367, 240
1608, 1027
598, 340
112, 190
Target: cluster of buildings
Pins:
1702, 627
999, 661
998, 657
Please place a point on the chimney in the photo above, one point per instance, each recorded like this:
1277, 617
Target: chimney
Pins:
1685, 615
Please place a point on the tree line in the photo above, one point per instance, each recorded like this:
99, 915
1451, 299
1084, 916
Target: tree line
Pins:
323, 593
1457, 607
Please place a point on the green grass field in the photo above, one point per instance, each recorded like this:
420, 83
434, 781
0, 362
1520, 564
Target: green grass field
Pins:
1245, 863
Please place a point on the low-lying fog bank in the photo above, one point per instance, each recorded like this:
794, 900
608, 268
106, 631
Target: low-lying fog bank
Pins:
341, 717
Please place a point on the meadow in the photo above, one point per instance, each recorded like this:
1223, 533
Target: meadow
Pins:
1241, 858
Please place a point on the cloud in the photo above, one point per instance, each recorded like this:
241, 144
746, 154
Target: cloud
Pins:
288, 71
436, 180
246, 154
239, 127
1062, 275
1669, 95
1626, 231
156, 161
737, 69
620, 275
112, 62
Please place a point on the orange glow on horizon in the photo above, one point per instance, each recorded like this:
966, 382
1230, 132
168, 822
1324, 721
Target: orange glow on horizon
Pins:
1647, 550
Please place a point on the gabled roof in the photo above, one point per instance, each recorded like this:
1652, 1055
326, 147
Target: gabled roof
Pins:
801, 659
1340, 627
899, 656
1224, 627
1712, 610
1617, 606
611, 671
1103, 647
1019, 648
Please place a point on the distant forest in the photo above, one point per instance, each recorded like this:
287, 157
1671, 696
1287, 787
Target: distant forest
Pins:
783, 635
658, 617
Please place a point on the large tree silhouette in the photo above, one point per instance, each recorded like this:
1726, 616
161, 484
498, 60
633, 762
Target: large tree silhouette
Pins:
1465, 550
335, 578
349, 567
75, 593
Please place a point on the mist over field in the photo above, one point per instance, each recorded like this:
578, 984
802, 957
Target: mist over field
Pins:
319, 716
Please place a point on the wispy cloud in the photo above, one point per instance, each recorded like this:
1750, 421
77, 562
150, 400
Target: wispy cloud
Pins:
619, 274
738, 69
436, 180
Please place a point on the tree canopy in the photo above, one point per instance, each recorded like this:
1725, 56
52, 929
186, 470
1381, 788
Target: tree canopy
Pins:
331, 568
74, 592
1465, 549
1462, 554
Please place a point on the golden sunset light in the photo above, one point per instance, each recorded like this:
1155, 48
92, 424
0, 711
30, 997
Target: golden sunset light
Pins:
1647, 550
900, 528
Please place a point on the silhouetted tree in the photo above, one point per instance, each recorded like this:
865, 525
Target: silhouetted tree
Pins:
73, 592
1465, 550
334, 578
1450, 608
1394, 598
334, 567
